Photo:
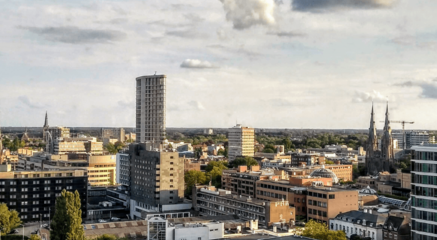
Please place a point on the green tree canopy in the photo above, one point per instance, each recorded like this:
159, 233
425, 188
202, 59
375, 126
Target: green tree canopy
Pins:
67, 221
193, 177
8, 219
247, 161
320, 231
34, 237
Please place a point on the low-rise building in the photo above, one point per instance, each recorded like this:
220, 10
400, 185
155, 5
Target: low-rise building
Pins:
33, 193
363, 224
397, 228
324, 203
210, 201
342, 171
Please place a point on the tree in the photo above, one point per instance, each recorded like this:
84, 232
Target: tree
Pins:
34, 237
247, 161
8, 219
67, 221
193, 177
329, 162
220, 164
110, 148
320, 231
269, 148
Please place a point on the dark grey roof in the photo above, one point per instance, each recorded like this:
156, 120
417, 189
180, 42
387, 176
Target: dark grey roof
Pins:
357, 217
394, 222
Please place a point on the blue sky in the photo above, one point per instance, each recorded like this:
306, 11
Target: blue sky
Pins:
263, 63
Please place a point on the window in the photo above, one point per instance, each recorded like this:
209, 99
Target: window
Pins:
2, 196
47, 188
47, 195
24, 183
46, 215
35, 195
34, 215
13, 183
24, 189
47, 181
69, 187
12, 203
13, 196
58, 181
46, 201
331, 196
171, 163
35, 182
13, 189
2, 183
35, 209
23, 216
58, 188
69, 181
171, 186
36, 189
35, 202
24, 196
57, 194
24, 203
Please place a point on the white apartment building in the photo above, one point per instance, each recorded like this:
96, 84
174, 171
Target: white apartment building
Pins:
364, 224
424, 192
241, 142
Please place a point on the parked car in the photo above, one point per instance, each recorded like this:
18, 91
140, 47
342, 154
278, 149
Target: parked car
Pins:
45, 225
35, 231
14, 231
115, 219
102, 221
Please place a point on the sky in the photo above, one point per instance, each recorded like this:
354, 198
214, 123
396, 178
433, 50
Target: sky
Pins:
261, 63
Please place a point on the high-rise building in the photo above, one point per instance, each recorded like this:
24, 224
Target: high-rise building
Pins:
150, 106
424, 192
156, 179
241, 142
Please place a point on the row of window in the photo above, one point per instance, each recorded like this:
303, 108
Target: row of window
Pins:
35, 182
317, 203
423, 179
424, 215
424, 191
423, 167
321, 195
417, 236
357, 231
419, 155
423, 227
423, 203
317, 212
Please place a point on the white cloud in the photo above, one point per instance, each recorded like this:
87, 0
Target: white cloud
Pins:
245, 14
373, 96
196, 63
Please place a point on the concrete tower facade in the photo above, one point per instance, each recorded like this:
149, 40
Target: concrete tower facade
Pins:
241, 142
150, 108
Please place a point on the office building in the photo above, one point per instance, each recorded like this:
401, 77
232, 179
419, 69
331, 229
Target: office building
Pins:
33, 193
413, 138
324, 203
77, 145
363, 224
241, 142
212, 202
156, 180
424, 192
150, 108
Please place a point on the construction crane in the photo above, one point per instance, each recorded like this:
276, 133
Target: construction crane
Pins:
403, 131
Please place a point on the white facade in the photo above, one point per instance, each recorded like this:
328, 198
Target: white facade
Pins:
360, 229
424, 192
122, 169
150, 108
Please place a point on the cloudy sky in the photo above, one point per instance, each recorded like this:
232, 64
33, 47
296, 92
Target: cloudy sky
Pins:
263, 63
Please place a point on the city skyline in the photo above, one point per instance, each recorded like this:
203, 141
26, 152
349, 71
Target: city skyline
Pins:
314, 65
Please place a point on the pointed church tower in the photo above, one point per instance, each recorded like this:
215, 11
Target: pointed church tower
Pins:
387, 152
45, 127
372, 141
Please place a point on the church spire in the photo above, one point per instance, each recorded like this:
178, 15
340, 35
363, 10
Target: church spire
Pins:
46, 122
372, 129
387, 122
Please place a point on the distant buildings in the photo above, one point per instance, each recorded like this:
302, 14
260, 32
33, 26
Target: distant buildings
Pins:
118, 134
241, 142
413, 138
150, 108
77, 145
